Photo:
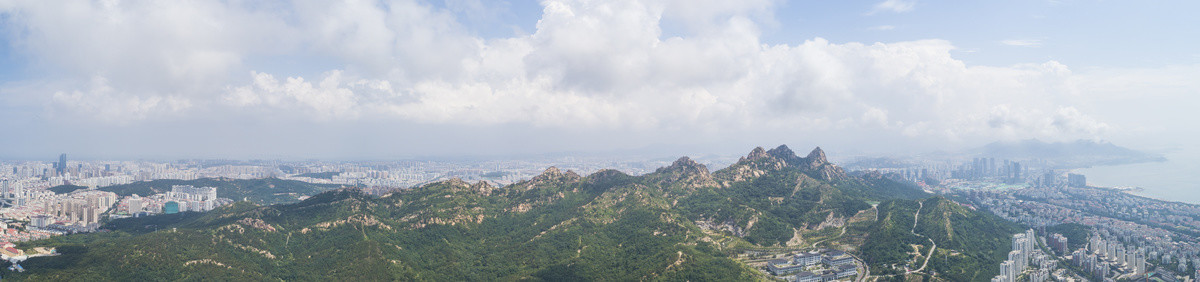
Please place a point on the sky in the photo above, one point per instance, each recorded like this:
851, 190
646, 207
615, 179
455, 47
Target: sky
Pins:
409, 78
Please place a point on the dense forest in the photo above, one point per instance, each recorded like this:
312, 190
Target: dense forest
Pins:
679, 223
1076, 234
67, 188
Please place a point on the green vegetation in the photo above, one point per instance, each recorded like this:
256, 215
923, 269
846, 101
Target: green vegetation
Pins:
982, 240
889, 239
63, 189
969, 243
1077, 234
260, 191
680, 223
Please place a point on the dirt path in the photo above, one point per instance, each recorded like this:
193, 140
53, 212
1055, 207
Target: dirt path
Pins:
917, 218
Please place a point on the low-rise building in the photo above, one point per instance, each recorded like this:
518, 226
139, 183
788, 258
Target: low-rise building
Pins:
781, 267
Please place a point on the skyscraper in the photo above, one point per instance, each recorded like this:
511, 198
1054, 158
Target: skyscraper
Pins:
61, 166
1007, 271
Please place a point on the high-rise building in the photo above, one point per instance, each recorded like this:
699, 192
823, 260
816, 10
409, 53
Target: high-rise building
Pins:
41, 221
189, 192
61, 166
1030, 242
133, 204
1041, 275
1007, 271
1076, 180
1058, 243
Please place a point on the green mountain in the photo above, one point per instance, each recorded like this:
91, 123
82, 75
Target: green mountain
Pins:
679, 223
67, 188
970, 244
264, 191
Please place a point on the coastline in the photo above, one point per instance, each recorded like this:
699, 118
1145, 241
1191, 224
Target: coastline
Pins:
1173, 180
1138, 192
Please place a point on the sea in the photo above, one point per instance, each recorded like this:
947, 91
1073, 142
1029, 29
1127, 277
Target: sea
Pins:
1176, 179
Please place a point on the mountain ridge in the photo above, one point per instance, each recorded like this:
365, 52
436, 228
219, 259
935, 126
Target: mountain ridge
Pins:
678, 223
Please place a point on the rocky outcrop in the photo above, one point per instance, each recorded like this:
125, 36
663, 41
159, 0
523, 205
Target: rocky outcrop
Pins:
757, 154
482, 187
785, 154
456, 183
760, 162
685, 173
817, 156
756, 164
816, 163
554, 174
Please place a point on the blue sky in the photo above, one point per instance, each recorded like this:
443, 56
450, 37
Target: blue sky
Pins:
1077, 33
393, 79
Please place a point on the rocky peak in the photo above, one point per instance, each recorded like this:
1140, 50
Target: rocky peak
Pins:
782, 152
816, 162
686, 165
482, 187
456, 182
684, 172
756, 154
605, 175
817, 156
552, 173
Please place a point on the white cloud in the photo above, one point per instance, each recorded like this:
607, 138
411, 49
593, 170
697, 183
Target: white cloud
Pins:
895, 6
1022, 42
103, 102
589, 64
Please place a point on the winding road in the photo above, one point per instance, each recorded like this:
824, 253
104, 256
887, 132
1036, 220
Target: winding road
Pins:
917, 218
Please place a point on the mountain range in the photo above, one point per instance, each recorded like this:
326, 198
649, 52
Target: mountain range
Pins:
1080, 153
681, 222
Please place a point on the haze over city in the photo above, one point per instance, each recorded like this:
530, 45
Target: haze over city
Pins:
401, 79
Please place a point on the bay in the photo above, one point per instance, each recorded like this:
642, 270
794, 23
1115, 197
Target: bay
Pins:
1176, 179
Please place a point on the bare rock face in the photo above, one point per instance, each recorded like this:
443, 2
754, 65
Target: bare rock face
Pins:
785, 154
757, 154
756, 164
554, 174
456, 183
816, 156
686, 173
685, 165
482, 187
816, 162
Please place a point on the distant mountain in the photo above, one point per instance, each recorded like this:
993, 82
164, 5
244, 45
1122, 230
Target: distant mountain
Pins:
681, 222
1080, 153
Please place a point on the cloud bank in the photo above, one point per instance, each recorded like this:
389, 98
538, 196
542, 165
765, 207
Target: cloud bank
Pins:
589, 64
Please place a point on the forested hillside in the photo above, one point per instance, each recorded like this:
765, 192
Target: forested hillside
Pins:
679, 223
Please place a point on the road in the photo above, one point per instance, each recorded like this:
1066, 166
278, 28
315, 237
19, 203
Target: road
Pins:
814, 245
916, 219
866, 268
